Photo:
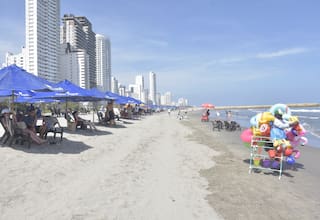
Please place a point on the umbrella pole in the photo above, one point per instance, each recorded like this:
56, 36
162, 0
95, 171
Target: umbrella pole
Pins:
11, 107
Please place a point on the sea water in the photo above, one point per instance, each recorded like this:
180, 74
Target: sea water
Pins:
309, 117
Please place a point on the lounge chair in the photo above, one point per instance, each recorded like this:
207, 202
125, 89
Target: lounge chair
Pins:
52, 126
13, 134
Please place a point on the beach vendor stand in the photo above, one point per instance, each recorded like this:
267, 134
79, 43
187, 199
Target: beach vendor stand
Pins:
264, 157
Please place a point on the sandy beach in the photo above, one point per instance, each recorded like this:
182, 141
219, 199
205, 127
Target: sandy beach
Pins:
158, 167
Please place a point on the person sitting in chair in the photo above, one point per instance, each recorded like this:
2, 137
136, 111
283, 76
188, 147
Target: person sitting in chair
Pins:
31, 120
109, 115
82, 122
21, 123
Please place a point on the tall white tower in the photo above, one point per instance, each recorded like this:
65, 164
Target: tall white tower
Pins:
42, 38
152, 87
103, 59
139, 86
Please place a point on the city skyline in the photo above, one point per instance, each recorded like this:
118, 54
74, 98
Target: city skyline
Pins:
226, 53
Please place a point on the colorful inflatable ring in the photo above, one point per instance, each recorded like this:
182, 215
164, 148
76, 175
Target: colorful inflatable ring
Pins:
280, 107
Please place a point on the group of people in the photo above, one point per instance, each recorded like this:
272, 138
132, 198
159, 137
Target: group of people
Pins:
27, 123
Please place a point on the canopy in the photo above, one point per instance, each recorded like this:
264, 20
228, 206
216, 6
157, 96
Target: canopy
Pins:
123, 99
97, 93
74, 93
13, 78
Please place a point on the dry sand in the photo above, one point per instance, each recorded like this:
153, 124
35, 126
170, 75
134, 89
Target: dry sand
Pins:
143, 169
155, 168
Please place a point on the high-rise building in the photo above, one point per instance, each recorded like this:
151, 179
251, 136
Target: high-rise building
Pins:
18, 59
114, 85
103, 66
166, 99
152, 87
42, 38
74, 64
139, 86
77, 31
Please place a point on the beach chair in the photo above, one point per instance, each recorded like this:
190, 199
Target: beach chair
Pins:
71, 122
217, 124
13, 134
6, 133
101, 119
52, 126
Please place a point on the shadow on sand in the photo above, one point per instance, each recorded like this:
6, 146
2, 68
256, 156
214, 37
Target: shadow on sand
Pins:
286, 169
55, 147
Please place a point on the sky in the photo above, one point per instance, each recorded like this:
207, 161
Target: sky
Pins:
224, 52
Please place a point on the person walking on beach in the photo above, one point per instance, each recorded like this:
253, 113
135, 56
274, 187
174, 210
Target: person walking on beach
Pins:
169, 111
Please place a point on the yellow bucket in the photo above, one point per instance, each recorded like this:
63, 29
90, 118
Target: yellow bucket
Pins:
256, 161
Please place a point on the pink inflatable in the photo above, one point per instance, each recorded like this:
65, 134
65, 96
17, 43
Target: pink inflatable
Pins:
246, 135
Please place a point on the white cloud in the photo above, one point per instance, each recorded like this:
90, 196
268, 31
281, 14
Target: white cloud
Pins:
280, 53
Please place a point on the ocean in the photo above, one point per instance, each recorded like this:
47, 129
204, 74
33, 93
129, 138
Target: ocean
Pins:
308, 117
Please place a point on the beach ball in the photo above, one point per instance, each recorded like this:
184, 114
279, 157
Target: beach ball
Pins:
288, 151
290, 160
265, 130
296, 153
284, 109
272, 153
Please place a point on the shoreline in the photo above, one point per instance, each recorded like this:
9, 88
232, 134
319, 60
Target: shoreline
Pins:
266, 106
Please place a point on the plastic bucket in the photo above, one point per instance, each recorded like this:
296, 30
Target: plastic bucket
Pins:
256, 161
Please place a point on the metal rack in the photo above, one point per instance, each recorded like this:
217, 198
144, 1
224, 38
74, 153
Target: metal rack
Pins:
259, 156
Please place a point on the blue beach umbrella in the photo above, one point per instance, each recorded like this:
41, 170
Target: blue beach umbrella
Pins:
123, 99
14, 78
97, 93
76, 93
22, 99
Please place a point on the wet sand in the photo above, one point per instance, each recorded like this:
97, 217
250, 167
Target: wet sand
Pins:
236, 194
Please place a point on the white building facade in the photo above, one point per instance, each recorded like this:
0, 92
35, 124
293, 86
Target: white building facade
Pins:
152, 88
114, 85
42, 38
74, 64
18, 59
139, 87
103, 63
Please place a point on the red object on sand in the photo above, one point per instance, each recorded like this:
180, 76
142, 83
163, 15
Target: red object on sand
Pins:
205, 118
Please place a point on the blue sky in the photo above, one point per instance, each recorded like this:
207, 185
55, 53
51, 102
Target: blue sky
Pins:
225, 52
